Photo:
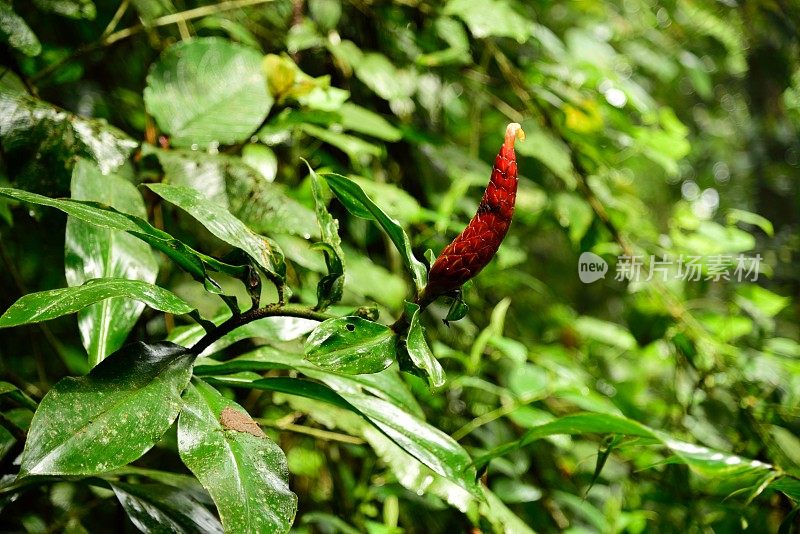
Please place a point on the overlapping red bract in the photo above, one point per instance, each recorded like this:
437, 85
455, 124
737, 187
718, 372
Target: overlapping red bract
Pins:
474, 248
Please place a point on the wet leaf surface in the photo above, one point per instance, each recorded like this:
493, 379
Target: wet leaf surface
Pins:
112, 416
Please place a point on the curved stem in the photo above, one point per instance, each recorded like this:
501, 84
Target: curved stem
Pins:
271, 310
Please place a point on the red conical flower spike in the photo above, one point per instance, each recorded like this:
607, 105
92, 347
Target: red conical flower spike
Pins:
475, 247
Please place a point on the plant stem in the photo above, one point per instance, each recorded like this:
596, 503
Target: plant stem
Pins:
271, 310
318, 433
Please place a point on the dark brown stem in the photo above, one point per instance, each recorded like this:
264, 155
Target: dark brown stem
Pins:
423, 300
271, 310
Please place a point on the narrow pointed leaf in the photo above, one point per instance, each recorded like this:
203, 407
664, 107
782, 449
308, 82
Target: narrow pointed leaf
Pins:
112, 416
358, 203
388, 413
704, 461
46, 305
195, 263
418, 352
244, 471
225, 226
330, 287
156, 508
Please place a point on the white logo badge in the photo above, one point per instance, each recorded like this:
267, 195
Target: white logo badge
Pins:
591, 267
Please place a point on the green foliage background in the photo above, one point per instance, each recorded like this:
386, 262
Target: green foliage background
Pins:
653, 129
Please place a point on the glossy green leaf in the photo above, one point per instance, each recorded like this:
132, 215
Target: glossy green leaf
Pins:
410, 472
244, 471
237, 186
359, 204
110, 417
225, 226
207, 92
388, 413
95, 252
283, 384
351, 345
41, 142
330, 287
458, 309
395, 202
156, 508
46, 305
387, 384
193, 262
15, 32
417, 350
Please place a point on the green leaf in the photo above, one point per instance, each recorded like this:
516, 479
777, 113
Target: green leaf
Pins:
74, 9
385, 406
605, 332
702, 460
490, 18
261, 158
458, 308
94, 252
733, 216
156, 508
359, 204
358, 150
330, 287
225, 226
351, 345
235, 185
284, 384
193, 262
110, 417
378, 73
244, 471
208, 91
46, 305
755, 298
549, 151
15, 32
41, 142
368, 122
387, 384
19, 396
417, 349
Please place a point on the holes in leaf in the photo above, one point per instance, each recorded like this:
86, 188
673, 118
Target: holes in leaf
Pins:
350, 327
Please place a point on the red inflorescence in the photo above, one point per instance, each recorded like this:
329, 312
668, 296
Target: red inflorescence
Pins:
474, 248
